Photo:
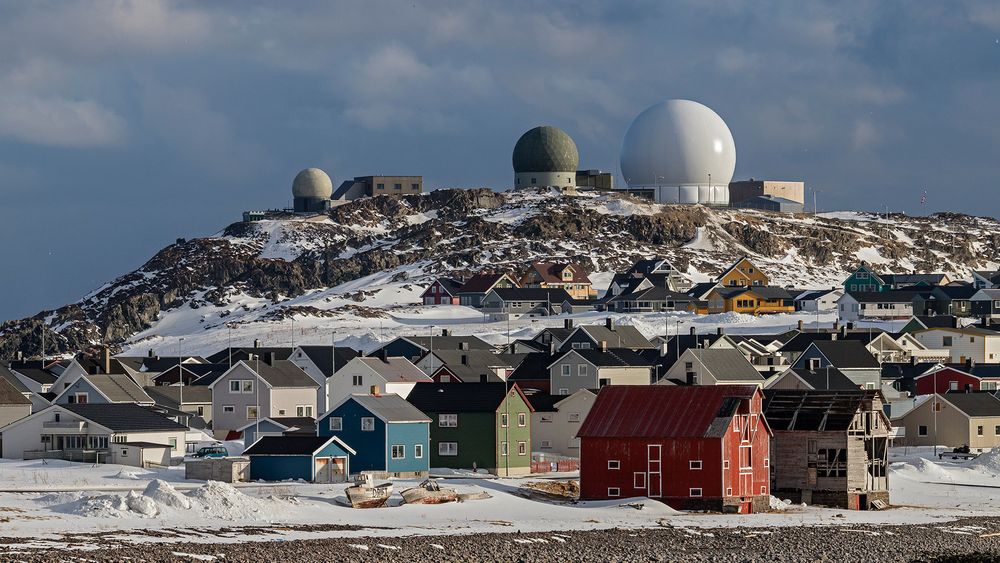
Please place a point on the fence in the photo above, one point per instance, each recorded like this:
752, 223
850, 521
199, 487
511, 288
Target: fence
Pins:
560, 465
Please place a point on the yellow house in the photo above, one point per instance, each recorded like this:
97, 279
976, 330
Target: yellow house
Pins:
743, 274
570, 277
762, 300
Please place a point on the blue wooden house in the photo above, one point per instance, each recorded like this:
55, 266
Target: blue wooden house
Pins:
389, 434
319, 459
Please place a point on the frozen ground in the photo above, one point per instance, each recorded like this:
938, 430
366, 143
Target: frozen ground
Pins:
162, 506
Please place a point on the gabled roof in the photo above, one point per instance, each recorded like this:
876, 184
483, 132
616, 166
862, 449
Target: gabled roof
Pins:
389, 408
534, 366
460, 397
9, 376
40, 376
243, 353
652, 265
394, 370
846, 354
550, 272
811, 294
819, 411
735, 265
974, 404
294, 445
123, 417
656, 293
960, 292
118, 388
170, 395
476, 363
303, 423
727, 364
450, 285
986, 295
701, 290
614, 357
323, 357
282, 374
483, 282
664, 411
936, 321
10, 395
913, 279
445, 342
769, 292
551, 295
976, 370
618, 336
825, 379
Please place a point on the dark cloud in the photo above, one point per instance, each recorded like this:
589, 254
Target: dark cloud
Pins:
126, 124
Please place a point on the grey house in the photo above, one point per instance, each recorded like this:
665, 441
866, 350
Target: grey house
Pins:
585, 337
851, 357
515, 302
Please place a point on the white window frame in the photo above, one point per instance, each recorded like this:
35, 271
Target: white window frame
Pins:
418, 451
357, 381
614, 464
567, 370
504, 449
504, 420
729, 491
229, 409
563, 391
694, 464
247, 386
581, 370
304, 410
522, 419
614, 492
522, 448
256, 409
368, 421
238, 386
336, 423
695, 492
445, 449
638, 480
448, 420
401, 454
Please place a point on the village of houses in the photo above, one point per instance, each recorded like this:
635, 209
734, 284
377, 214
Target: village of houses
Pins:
746, 424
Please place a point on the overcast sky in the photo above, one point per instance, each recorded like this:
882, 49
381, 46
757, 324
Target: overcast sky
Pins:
124, 125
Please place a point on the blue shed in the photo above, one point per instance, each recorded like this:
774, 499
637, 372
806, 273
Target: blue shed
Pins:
320, 459
388, 433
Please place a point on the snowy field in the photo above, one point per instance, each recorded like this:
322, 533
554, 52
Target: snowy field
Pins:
129, 503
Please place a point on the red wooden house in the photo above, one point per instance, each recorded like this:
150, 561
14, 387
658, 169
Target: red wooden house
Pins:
959, 377
444, 291
694, 447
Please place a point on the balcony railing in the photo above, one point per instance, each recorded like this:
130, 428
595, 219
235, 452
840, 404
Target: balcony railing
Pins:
65, 424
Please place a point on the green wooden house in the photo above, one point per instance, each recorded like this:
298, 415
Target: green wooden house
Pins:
864, 279
481, 425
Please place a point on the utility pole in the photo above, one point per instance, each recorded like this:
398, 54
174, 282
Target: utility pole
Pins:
180, 375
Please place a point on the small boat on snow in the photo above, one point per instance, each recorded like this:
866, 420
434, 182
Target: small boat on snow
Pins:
429, 492
366, 494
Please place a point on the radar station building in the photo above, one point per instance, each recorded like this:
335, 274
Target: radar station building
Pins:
743, 190
545, 156
368, 186
311, 190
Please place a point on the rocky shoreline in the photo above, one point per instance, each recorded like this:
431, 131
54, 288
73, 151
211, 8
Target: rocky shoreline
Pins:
972, 539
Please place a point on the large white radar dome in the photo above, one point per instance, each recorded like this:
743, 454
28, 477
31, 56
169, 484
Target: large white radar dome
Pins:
680, 150
312, 183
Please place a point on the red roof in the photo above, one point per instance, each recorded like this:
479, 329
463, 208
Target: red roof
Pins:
663, 411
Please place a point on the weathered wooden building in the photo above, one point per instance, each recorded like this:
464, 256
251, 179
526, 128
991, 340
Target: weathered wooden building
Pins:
830, 447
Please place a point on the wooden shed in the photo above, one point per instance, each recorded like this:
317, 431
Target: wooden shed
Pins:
694, 447
830, 447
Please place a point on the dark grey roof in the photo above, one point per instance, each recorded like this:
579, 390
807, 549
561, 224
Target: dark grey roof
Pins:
975, 404
553, 296
118, 388
300, 422
701, 290
770, 292
978, 370
10, 395
823, 379
282, 373
287, 445
821, 411
40, 376
913, 279
654, 294
392, 408
614, 357
170, 395
847, 354
938, 321
457, 397
534, 366
145, 444
728, 364
124, 417
449, 342
323, 357
9, 376
243, 353
811, 294
395, 369
957, 291
545, 149
618, 336
469, 365
543, 402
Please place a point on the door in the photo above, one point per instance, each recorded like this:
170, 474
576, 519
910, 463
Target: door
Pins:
654, 472
322, 470
338, 470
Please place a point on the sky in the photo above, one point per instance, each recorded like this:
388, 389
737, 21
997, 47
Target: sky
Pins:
125, 125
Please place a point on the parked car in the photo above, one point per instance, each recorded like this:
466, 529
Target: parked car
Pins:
211, 451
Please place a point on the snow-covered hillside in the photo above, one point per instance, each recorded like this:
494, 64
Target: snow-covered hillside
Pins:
365, 263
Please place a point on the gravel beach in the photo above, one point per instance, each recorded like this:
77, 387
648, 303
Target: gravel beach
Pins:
974, 539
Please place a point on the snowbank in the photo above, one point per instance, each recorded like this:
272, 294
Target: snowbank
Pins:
988, 462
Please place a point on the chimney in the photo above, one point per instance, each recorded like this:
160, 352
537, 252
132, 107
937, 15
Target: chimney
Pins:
256, 343
465, 360
568, 323
801, 325
836, 325
19, 355
970, 363
151, 353
382, 355
106, 359
604, 346
693, 331
269, 358
664, 348
850, 325
913, 360
375, 392
445, 332
954, 321
609, 323
552, 348
843, 331
720, 331
463, 345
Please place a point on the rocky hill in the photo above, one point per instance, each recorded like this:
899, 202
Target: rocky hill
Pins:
371, 255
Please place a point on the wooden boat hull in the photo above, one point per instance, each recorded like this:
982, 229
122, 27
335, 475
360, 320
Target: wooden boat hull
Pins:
420, 495
366, 497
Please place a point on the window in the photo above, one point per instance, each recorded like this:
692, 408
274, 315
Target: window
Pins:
581, 369
56, 418
503, 420
124, 452
228, 408
694, 464
763, 490
614, 464
574, 417
418, 451
448, 448
367, 424
503, 448
922, 430
729, 491
304, 410
953, 385
689, 366
522, 448
379, 186
767, 461
694, 492
397, 186
725, 464
248, 386
567, 369
201, 411
398, 451
614, 492
996, 430
522, 419
946, 341
357, 381
336, 423
544, 418
234, 386
979, 431
415, 187
563, 391
547, 444
638, 480
252, 412
831, 463
173, 444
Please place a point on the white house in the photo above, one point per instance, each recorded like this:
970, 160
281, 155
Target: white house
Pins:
970, 343
255, 389
593, 369
556, 419
391, 375
875, 305
319, 363
712, 366
816, 300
